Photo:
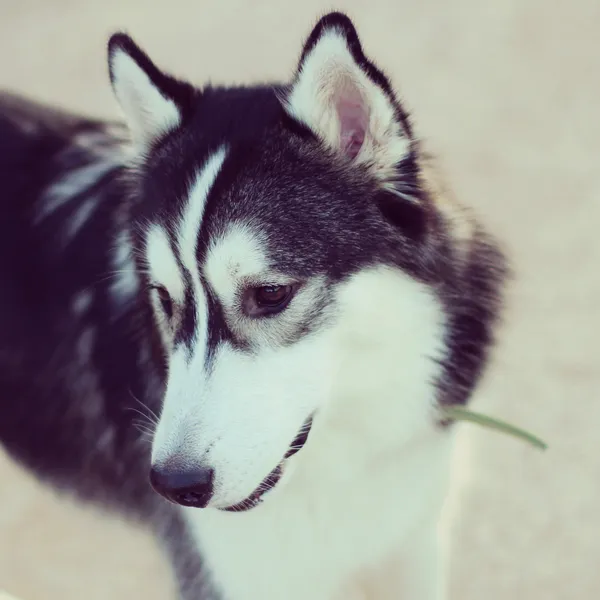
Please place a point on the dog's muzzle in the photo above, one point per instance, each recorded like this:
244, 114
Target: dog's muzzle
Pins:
272, 479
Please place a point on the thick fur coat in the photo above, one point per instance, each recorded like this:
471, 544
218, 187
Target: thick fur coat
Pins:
235, 320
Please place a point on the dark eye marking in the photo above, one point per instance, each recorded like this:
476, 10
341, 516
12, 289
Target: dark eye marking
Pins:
166, 303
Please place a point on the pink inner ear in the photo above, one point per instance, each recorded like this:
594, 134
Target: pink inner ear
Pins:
353, 114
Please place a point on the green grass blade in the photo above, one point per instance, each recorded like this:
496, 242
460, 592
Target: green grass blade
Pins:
456, 413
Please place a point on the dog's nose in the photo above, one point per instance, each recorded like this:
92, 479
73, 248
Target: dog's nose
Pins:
188, 487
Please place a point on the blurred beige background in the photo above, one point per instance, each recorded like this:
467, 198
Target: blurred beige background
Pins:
508, 93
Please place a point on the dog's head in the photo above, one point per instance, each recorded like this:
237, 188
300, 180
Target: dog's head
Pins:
267, 220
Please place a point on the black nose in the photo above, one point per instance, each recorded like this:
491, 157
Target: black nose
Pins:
188, 487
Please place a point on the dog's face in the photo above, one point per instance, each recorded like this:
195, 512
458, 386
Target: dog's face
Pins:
255, 209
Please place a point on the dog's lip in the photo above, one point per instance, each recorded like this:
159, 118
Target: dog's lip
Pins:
300, 439
268, 483
272, 479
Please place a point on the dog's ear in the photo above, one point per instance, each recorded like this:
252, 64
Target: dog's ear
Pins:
346, 100
153, 102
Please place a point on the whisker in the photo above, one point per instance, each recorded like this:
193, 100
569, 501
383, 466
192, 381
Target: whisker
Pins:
151, 414
144, 416
146, 433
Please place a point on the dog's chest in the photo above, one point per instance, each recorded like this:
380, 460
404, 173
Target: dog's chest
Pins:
321, 532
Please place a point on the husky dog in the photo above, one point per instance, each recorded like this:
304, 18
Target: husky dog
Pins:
274, 276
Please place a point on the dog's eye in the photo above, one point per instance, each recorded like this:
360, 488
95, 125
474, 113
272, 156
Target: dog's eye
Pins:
267, 299
272, 296
165, 300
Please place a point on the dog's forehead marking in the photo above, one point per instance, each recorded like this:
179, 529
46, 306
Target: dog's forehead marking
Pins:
236, 255
162, 264
188, 228
187, 234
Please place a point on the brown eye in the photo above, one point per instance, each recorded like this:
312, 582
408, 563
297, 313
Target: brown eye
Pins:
272, 295
165, 300
267, 299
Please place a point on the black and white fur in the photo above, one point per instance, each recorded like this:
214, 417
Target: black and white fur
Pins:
132, 265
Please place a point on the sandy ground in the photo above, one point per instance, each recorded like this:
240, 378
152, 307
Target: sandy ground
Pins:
507, 92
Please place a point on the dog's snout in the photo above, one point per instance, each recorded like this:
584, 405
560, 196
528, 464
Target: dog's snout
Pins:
188, 487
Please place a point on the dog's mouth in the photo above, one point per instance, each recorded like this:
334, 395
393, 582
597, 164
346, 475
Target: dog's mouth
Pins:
272, 479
